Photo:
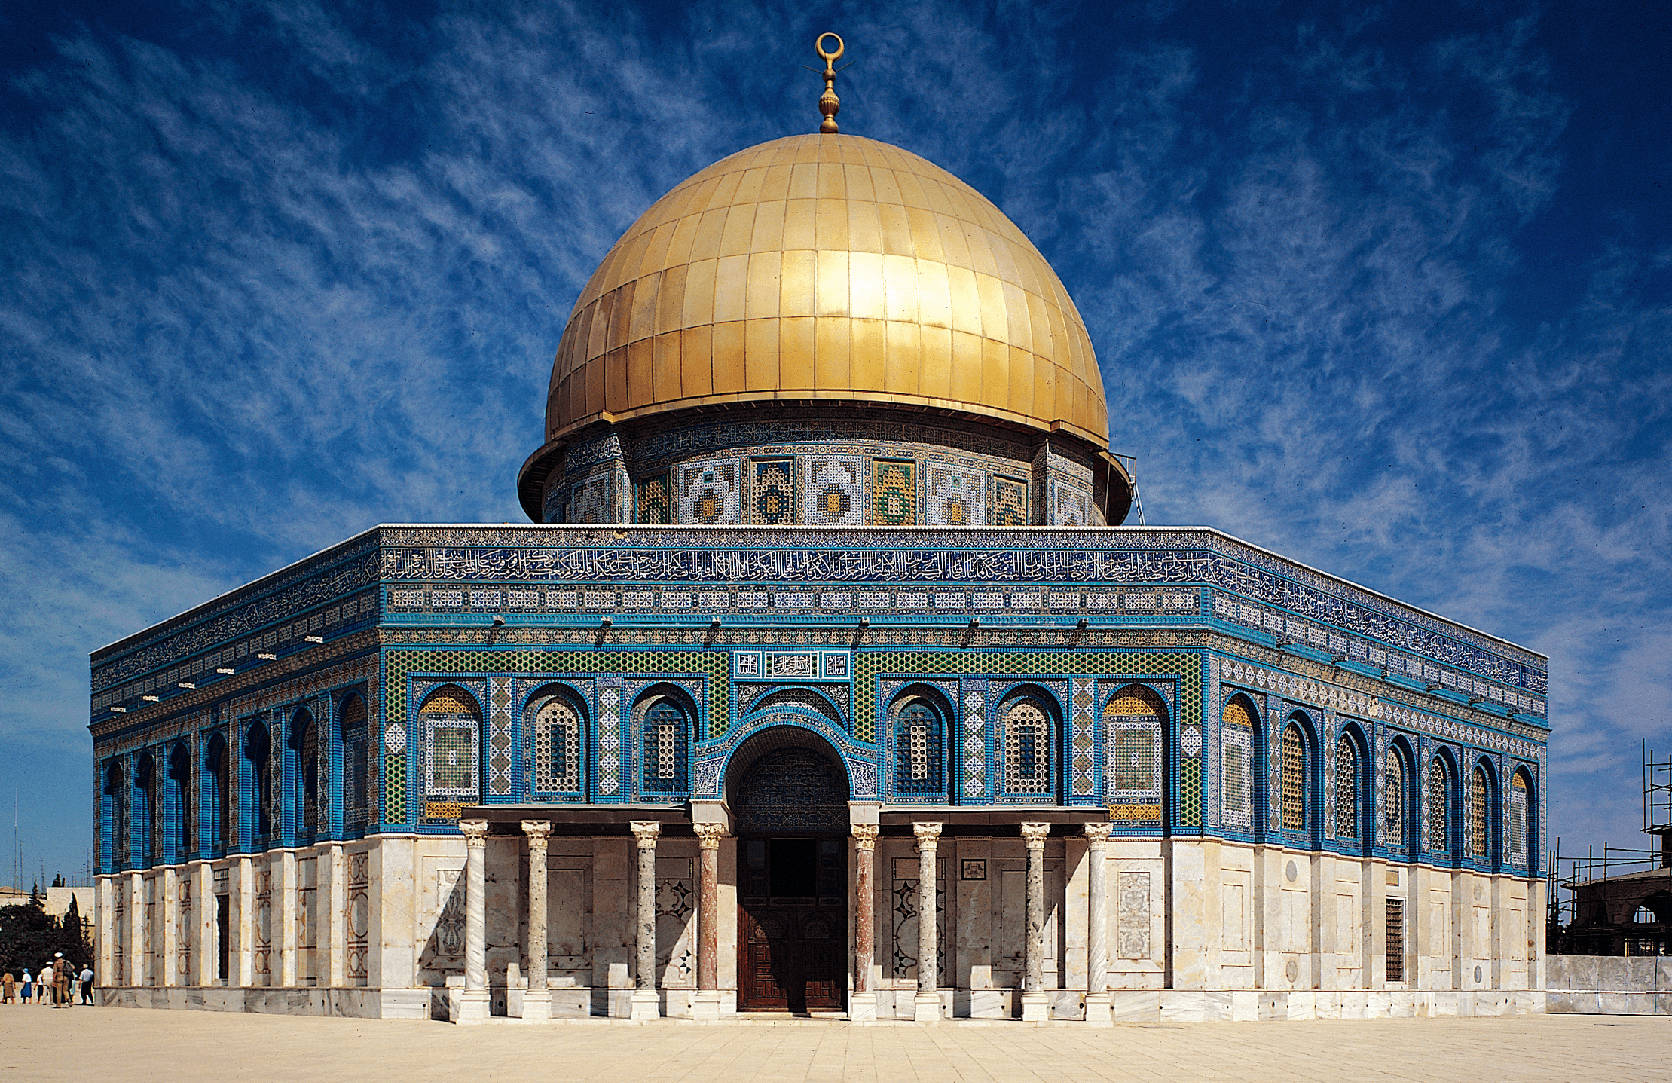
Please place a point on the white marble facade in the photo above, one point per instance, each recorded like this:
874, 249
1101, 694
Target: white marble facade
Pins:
1194, 929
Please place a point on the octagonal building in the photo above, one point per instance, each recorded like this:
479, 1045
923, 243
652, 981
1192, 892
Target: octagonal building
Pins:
826, 680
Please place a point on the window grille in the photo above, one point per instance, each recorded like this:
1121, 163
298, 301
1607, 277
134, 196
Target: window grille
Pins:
1294, 778
1393, 801
1027, 749
918, 759
1435, 805
1396, 939
557, 746
1346, 789
1476, 814
355, 738
1518, 808
664, 756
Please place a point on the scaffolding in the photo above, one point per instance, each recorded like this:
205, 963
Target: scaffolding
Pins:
1617, 901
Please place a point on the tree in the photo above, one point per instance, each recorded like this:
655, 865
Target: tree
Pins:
30, 937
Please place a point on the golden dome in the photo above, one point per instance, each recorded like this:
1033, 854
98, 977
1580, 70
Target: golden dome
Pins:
820, 268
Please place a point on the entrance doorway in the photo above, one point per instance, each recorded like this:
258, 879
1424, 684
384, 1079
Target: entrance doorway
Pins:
788, 795
792, 925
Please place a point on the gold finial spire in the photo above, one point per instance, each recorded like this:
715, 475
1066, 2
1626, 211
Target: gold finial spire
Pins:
828, 102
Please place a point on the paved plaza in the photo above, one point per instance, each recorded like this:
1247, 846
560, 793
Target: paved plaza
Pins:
133, 1043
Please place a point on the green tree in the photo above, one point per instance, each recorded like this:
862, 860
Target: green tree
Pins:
30, 937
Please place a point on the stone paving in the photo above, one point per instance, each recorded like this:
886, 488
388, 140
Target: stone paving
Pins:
136, 1043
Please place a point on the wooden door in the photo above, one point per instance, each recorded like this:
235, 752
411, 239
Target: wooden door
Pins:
792, 926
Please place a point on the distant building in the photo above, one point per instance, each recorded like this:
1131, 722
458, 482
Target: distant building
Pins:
827, 680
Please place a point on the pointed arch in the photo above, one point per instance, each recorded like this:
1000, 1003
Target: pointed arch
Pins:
256, 786
666, 715
1396, 782
1480, 843
1521, 820
555, 720
1438, 803
1029, 725
1352, 788
180, 843
217, 805
1297, 795
1134, 722
303, 741
451, 721
920, 716
144, 822
1239, 721
113, 817
354, 733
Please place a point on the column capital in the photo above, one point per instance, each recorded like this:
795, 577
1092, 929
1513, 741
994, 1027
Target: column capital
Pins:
475, 833
709, 835
928, 834
537, 830
865, 836
1035, 834
1098, 832
645, 832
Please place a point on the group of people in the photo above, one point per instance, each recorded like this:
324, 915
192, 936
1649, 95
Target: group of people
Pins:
56, 984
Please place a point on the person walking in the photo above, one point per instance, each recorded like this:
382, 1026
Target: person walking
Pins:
8, 988
28, 985
43, 980
87, 984
61, 972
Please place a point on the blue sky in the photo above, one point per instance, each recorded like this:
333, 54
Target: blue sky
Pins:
1387, 290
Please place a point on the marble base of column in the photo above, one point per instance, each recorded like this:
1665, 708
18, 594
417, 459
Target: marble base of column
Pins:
706, 1007
537, 1005
1099, 1010
474, 1006
926, 1006
645, 1006
1036, 1008
862, 1007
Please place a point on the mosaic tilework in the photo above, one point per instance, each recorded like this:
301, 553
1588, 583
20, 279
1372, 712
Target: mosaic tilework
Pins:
1190, 794
835, 490
609, 738
975, 743
711, 491
400, 663
653, 500
592, 500
953, 497
1010, 502
1292, 779
556, 732
1236, 743
772, 488
499, 736
1070, 504
1517, 808
1082, 749
893, 492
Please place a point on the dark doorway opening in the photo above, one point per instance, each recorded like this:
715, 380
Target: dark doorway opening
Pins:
788, 793
223, 934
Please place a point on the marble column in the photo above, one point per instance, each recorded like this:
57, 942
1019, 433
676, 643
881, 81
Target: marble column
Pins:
646, 1004
137, 945
862, 1004
474, 1005
168, 958
537, 1002
241, 923
1097, 925
286, 897
927, 1005
706, 1008
336, 915
107, 932
1036, 1006
206, 944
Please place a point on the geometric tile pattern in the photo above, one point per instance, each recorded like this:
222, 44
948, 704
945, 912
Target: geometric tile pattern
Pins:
1010, 502
499, 735
773, 491
1082, 748
954, 497
893, 492
834, 490
710, 491
975, 743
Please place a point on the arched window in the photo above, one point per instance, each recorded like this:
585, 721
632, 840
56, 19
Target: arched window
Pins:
1236, 738
258, 785
665, 743
1346, 789
452, 744
1025, 735
1476, 816
1132, 727
180, 844
554, 729
1519, 806
1393, 801
141, 828
113, 818
1293, 777
356, 738
218, 808
304, 746
1437, 807
918, 759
